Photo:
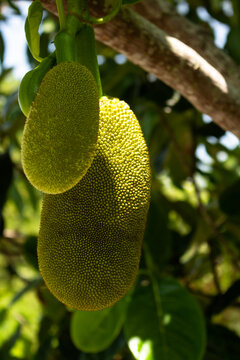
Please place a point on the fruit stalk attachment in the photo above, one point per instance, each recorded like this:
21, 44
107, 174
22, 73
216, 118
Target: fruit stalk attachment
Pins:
65, 39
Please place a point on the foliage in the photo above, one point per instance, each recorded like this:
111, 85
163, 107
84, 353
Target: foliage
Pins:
185, 302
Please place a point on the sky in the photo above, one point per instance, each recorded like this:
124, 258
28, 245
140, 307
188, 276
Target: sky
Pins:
15, 43
15, 52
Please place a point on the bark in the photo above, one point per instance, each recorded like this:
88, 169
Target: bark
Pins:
164, 15
183, 56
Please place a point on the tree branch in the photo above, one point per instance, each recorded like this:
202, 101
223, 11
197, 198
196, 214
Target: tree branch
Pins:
164, 15
191, 64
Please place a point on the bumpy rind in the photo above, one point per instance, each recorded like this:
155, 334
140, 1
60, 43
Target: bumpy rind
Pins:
90, 237
60, 135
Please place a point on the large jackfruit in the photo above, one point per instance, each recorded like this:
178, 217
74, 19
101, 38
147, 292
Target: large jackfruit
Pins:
60, 134
90, 236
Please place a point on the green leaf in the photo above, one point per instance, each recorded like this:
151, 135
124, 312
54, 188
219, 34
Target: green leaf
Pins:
111, 353
149, 119
34, 18
168, 325
94, 331
158, 236
180, 160
177, 172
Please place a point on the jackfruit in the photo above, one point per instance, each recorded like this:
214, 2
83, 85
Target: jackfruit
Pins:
90, 237
60, 134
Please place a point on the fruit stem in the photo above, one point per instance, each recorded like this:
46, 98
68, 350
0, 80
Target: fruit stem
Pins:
80, 8
86, 52
65, 47
76, 11
77, 22
108, 17
61, 14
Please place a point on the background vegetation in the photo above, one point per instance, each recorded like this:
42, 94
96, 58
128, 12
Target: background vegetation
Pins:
185, 302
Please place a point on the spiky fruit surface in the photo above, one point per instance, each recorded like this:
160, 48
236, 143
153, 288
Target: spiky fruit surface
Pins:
60, 134
90, 237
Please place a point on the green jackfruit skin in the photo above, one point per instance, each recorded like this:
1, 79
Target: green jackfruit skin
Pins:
90, 237
60, 135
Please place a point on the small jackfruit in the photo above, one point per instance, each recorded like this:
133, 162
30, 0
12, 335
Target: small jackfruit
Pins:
90, 237
60, 134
